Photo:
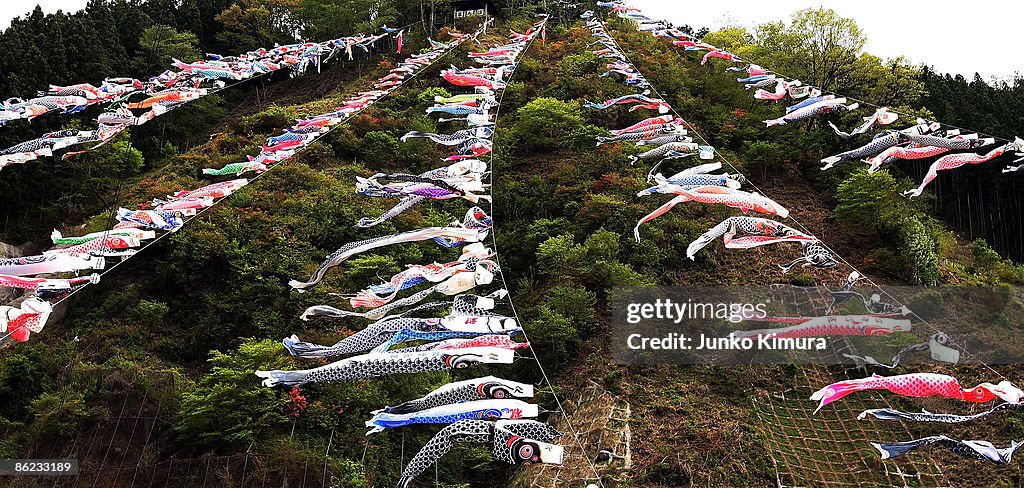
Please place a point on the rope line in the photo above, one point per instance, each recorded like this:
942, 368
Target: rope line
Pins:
501, 273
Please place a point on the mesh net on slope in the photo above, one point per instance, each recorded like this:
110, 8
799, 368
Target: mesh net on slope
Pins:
602, 421
832, 448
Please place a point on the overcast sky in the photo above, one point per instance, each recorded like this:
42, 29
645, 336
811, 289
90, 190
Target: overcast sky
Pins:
10, 9
979, 36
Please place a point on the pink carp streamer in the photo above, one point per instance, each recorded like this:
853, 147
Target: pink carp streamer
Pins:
920, 385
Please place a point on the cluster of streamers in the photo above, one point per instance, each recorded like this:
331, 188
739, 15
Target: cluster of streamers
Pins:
171, 89
472, 269
896, 144
668, 140
920, 385
93, 251
511, 441
455, 334
462, 179
921, 140
68, 99
474, 228
385, 330
711, 195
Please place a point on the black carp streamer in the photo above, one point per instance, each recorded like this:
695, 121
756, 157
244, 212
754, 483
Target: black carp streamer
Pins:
512, 441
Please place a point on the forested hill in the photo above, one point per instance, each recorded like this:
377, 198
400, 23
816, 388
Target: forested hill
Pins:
147, 376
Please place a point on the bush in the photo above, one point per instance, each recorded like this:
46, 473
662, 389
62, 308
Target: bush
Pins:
270, 120
921, 250
574, 302
58, 412
544, 124
426, 97
378, 147
228, 406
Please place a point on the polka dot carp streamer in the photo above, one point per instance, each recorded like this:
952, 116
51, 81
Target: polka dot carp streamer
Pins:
920, 385
511, 441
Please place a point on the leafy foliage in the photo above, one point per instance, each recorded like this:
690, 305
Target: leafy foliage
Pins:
162, 43
225, 407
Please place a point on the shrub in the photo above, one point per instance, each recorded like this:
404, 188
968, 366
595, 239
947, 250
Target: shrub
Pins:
920, 251
544, 124
426, 97
228, 406
271, 119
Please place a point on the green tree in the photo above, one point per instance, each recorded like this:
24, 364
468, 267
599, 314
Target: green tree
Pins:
252, 24
544, 122
160, 43
228, 405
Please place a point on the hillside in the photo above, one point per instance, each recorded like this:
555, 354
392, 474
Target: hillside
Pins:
147, 376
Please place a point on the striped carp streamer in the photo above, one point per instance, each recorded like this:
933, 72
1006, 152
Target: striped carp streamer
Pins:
762, 232
447, 414
473, 256
712, 194
920, 385
483, 388
926, 416
237, 169
674, 150
720, 54
452, 339
512, 441
980, 450
474, 228
376, 365
113, 245
457, 342
150, 219
380, 332
651, 123
21, 322
139, 234
834, 326
479, 275
653, 136
640, 101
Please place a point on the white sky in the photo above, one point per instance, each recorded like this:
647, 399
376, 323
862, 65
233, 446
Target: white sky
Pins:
978, 36
10, 9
